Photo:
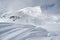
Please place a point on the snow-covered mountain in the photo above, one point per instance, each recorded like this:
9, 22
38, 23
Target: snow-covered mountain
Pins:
26, 15
11, 30
31, 11
24, 24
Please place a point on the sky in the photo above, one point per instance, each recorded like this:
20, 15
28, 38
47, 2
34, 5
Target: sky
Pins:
12, 5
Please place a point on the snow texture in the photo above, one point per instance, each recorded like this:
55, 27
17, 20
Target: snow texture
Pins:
27, 24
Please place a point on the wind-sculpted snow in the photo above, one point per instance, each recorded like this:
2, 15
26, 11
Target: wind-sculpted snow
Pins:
19, 31
10, 31
28, 24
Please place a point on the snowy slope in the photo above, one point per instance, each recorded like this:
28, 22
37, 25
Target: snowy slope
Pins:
31, 11
24, 24
26, 15
9, 31
22, 16
18, 31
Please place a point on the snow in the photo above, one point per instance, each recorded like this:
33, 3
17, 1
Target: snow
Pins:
32, 11
27, 24
19, 31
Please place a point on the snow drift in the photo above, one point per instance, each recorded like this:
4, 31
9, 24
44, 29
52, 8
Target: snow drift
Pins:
24, 24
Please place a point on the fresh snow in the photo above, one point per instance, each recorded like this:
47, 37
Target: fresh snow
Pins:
26, 24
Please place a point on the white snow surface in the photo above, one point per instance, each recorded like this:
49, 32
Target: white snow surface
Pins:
28, 24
